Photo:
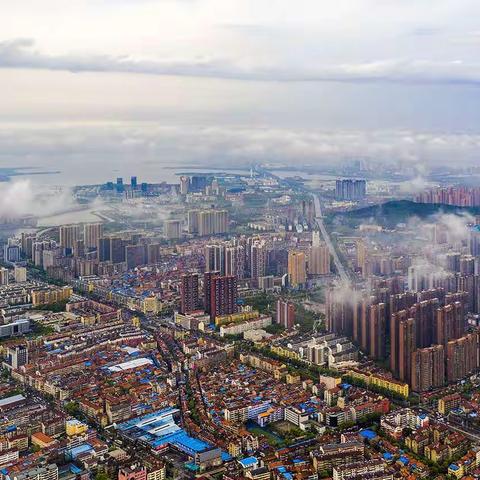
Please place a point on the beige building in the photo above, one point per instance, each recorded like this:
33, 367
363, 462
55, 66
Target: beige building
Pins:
297, 270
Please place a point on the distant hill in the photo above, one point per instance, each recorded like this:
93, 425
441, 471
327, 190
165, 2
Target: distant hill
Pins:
399, 211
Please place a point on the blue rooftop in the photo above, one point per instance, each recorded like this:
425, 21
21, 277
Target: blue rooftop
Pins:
248, 461
75, 452
368, 434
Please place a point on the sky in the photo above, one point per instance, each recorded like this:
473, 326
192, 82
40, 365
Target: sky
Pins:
230, 82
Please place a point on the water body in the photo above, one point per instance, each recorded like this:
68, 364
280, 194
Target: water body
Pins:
77, 216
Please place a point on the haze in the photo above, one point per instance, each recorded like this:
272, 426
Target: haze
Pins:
224, 81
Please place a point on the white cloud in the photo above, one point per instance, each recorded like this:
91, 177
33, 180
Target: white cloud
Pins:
22, 198
21, 53
52, 145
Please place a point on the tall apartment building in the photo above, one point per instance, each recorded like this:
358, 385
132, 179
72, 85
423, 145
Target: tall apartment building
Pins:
215, 258
92, 232
319, 260
4, 276
20, 274
428, 368
135, 255
350, 189
220, 294
192, 221
172, 229
212, 222
462, 356
184, 185
69, 234
258, 259
377, 332
297, 270
189, 297
285, 314
449, 323
117, 249
340, 314
235, 261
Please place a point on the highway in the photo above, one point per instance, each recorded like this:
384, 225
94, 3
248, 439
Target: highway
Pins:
326, 237
321, 225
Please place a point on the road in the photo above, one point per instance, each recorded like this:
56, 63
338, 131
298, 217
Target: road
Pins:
326, 237
321, 225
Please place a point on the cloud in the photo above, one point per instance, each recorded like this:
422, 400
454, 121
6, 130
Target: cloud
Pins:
101, 146
21, 53
413, 186
455, 225
22, 198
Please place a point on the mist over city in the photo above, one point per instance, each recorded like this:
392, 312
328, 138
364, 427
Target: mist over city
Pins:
239, 240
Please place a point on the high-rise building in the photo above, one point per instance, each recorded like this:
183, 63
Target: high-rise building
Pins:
340, 314
4, 276
235, 261
319, 260
223, 295
212, 222
119, 186
153, 253
133, 183
206, 223
11, 252
221, 221
285, 314
20, 274
467, 265
17, 356
349, 189
189, 297
377, 331
135, 255
193, 220
297, 270
198, 183
104, 249
428, 368
172, 229
474, 241
26, 243
424, 314
449, 323
184, 185
117, 250
406, 347
215, 258
258, 260
92, 232
462, 356
207, 289
69, 234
